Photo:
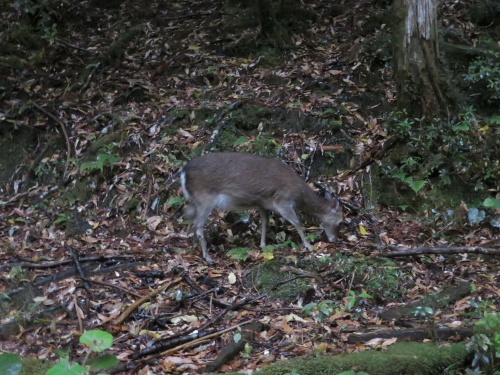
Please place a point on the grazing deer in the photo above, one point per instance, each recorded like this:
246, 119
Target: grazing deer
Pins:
232, 181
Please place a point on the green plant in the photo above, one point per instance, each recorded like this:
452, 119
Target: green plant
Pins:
481, 307
401, 124
437, 153
414, 185
240, 140
485, 73
485, 344
423, 312
320, 311
239, 253
61, 218
96, 341
172, 161
247, 350
102, 160
42, 16
174, 202
428, 315
353, 299
382, 280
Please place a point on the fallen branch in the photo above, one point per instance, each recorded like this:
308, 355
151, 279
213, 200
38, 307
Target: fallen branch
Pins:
145, 298
71, 272
187, 342
190, 334
443, 250
63, 262
78, 265
220, 124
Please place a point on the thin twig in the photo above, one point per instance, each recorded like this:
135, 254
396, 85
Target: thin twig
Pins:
78, 265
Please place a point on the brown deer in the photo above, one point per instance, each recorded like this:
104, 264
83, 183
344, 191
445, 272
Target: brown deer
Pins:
233, 181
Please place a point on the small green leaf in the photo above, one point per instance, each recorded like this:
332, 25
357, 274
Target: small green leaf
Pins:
351, 303
237, 337
491, 203
61, 219
309, 306
64, 367
97, 340
174, 201
417, 185
240, 141
239, 253
401, 176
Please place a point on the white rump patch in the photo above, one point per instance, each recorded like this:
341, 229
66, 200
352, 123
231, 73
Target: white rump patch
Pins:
183, 184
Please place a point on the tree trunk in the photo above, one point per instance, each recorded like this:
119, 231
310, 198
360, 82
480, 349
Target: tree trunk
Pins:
421, 89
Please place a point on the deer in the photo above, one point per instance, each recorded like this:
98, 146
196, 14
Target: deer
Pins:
240, 181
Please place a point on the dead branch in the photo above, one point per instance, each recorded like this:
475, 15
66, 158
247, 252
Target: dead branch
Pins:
89, 269
220, 124
145, 298
199, 293
172, 345
190, 334
78, 265
65, 261
443, 250
71, 272
187, 342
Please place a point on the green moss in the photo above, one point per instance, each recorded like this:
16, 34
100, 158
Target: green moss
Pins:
402, 358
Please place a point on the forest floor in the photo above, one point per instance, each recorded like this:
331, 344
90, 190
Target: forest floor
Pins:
107, 111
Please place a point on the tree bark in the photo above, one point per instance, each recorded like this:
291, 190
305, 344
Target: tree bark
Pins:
421, 86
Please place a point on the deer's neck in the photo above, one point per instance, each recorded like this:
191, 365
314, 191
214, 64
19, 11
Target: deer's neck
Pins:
312, 204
